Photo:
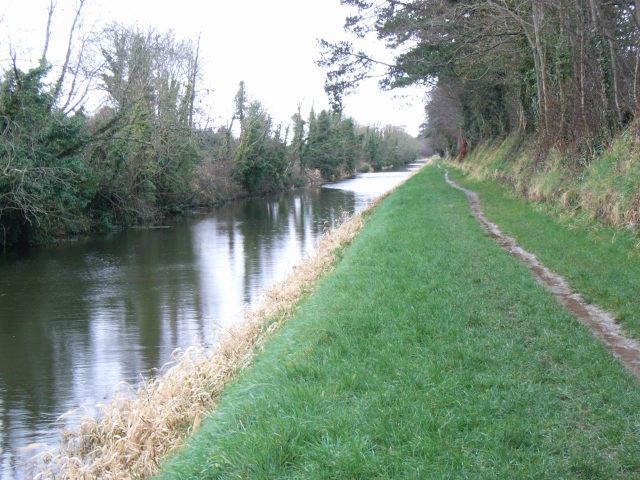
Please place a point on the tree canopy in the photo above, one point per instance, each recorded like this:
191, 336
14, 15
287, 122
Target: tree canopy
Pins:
567, 70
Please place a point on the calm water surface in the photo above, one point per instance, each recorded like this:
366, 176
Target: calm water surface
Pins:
78, 320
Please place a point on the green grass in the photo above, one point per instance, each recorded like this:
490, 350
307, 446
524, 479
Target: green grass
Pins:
601, 263
427, 353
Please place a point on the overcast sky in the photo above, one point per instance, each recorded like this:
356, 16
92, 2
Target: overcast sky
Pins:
270, 44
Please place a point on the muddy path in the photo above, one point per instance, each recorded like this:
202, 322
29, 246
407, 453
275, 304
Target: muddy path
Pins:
601, 323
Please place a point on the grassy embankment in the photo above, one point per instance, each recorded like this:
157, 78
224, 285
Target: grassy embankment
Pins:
427, 353
605, 188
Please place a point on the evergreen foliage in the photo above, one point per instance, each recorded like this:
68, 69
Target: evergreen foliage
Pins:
260, 154
45, 185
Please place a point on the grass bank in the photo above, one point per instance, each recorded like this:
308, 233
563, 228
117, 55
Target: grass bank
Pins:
427, 353
603, 186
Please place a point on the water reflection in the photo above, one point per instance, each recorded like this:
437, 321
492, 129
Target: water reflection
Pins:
253, 243
77, 320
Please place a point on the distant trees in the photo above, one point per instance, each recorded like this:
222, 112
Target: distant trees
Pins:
337, 147
265, 159
568, 70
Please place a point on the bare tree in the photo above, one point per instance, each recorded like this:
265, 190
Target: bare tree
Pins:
59, 82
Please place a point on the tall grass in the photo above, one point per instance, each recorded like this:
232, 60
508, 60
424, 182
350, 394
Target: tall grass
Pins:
611, 187
427, 353
605, 188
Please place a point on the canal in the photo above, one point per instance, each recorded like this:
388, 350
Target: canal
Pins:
78, 320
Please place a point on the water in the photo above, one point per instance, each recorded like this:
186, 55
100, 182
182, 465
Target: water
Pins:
78, 320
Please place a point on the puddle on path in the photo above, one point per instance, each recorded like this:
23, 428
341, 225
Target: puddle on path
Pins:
601, 323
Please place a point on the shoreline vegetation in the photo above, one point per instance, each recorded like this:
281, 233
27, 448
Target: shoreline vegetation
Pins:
605, 189
121, 134
144, 157
135, 430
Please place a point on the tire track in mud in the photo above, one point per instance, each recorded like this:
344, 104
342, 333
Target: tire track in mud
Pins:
601, 323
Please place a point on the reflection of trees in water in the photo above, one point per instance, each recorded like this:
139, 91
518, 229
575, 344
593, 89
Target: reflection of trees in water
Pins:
148, 292
278, 232
165, 280
77, 320
38, 325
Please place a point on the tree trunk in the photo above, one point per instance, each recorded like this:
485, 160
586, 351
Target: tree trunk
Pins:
540, 56
194, 76
600, 28
47, 38
65, 66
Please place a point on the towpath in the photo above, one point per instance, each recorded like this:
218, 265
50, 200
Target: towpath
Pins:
600, 322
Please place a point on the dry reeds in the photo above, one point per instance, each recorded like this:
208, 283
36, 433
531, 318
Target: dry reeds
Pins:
135, 431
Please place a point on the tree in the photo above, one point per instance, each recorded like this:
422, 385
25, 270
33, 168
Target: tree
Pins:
144, 151
260, 154
44, 184
321, 146
445, 119
241, 103
296, 149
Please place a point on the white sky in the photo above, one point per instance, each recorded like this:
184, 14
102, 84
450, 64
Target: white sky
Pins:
270, 44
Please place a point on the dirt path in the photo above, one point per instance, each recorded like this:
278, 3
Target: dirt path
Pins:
601, 323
